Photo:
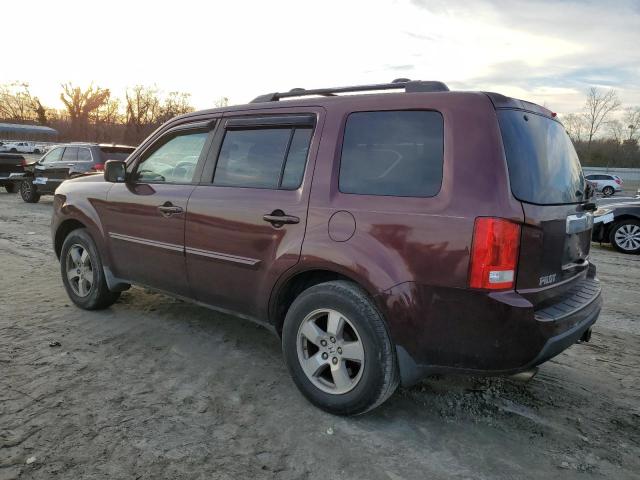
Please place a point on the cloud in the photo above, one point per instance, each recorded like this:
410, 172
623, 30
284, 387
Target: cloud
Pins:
544, 51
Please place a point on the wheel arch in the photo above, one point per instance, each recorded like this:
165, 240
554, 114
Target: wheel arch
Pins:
63, 230
292, 285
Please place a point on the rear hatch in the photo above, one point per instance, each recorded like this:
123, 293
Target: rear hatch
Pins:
10, 163
546, 176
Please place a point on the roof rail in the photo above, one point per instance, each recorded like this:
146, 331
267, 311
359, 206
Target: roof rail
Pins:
398, 84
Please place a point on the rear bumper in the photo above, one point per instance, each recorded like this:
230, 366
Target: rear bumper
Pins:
448, 331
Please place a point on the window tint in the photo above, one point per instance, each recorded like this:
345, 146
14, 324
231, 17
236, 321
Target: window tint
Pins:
174, 161
398, 153
53, 156
255, 158
84, 155
543, 165
70, 154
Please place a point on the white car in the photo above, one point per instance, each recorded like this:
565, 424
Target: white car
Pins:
605, 183
21, 147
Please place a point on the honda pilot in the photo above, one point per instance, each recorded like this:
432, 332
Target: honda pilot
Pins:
383, 236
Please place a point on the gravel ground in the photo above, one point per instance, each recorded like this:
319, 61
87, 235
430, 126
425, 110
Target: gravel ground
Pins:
156, 388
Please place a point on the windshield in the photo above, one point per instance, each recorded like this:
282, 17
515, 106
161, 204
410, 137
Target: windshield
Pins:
543, 165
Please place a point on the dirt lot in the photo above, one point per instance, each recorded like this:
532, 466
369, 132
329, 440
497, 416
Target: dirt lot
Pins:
156, 388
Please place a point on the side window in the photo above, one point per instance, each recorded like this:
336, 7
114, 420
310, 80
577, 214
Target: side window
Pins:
396, 153
84, 155
53, 156
263, 158
174, 161
70, 154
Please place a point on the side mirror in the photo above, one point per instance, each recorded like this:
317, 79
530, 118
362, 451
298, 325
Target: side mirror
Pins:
115, 171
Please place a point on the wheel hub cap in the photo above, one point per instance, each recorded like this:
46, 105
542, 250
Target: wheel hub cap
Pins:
79, 270
330, 351
627, 237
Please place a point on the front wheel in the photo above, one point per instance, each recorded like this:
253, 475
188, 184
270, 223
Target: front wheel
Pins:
608, 191
28, 192
337, 349
625, 236
82, 272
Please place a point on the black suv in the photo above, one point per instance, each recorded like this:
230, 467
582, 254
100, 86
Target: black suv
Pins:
67, 161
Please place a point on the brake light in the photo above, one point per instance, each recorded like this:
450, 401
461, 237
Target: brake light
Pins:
23, 162
618, 181
494, 254
98, 167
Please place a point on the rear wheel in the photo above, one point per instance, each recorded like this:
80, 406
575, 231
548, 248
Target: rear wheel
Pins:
10, 187
28, 192
337, 349
608, 191
82, 272
625, 236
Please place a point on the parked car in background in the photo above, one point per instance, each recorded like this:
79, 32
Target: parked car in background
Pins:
383, 237
619, 225
67, 161
11, 168
605, 183
21, 147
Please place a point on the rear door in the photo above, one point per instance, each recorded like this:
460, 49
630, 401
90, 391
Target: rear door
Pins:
546, 176
246, 219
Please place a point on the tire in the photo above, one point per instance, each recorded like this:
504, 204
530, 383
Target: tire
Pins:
13, 150
367, 384
625, 236
28, 192
608, 191
11, 188
37, 150
82, 272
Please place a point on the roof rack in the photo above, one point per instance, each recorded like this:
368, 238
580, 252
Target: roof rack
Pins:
398, 84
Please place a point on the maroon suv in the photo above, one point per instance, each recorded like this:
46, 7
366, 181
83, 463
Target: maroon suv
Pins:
383, 237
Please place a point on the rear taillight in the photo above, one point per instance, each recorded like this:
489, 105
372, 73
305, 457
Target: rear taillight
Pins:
98, 167
618, 181
23, 162
494, 254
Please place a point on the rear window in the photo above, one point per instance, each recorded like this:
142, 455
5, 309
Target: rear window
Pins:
543, 165
115, 153
395, 153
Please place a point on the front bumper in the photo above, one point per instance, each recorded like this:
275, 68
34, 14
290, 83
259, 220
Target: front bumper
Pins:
440, 330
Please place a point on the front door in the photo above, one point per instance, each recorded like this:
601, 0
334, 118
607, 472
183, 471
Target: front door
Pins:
58, 172
246, 220
144, 218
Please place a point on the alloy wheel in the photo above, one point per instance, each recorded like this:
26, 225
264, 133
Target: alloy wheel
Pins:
627, 237
330, 351
79, 270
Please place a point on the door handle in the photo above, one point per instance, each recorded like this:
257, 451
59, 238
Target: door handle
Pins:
167, 209
278, 218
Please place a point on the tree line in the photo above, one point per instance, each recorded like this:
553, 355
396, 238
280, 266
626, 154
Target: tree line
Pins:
94, 114
604, 133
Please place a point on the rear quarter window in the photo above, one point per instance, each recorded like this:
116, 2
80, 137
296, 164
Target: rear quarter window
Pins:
393, 153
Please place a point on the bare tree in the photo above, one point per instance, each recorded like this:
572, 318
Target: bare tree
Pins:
176, 103
599, 106
575, 126
221, 102
631, 121
15, 102
143, 110
80, 104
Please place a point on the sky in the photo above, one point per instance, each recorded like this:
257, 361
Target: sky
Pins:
548, 52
